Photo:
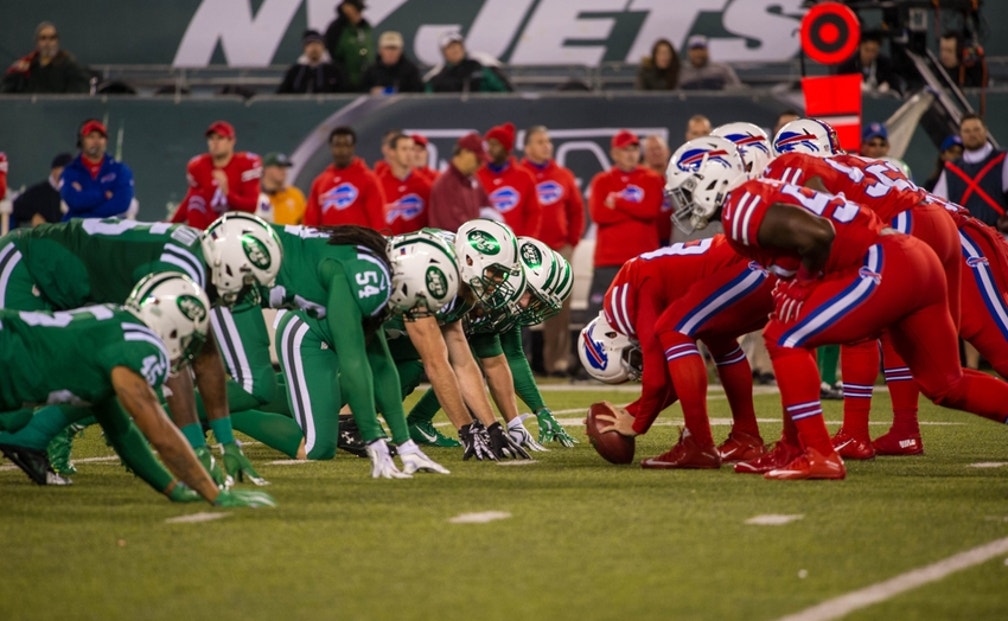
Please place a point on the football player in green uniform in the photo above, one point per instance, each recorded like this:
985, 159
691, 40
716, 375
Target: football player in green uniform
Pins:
68, 265
101, 360
495, 340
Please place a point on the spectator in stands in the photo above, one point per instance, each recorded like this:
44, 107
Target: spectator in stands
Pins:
701, 73
460, 73
421, 157
624, 202
392, 72
563, 221
350, 41
875, 67
456, 196
41, 202
697, 126
511, 188
655, 156
964, 64
286, 202
47, 69
407, 192
220, 180
94, 184
874, 141
784, 118
314, 71
347, 192
386, 150
660, 70
979, 179
951, 149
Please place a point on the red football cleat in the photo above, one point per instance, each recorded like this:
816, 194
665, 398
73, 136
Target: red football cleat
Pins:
899, 444
741, 446
685, 454
810, 465
781, 454
850, 447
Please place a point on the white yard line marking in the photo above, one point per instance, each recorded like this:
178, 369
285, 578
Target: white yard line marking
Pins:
203, 516
517, 462
479, 518
773, 519
989, 464
287, 462
855, 600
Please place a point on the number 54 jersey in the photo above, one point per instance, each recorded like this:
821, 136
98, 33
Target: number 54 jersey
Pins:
857, 227
68, 356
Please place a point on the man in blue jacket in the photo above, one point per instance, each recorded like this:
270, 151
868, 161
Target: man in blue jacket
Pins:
95, 185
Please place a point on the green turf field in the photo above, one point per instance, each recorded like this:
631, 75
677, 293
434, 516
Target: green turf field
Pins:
576, 538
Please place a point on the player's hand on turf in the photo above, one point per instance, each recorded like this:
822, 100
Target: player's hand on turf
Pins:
213, 467
550, 429
382, 465
520, 435
181, 492
475, 442
414, 460
243, 498
238, 466
501, 444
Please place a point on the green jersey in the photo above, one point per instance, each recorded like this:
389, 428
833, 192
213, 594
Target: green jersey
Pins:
68, 356
96, 261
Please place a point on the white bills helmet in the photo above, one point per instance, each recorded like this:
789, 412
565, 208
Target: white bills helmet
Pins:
699, 176
752, 142
607, 355
809, 136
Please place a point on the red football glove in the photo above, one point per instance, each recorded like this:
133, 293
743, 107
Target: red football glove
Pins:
789, 297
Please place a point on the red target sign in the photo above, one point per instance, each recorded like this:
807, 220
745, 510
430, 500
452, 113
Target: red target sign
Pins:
830, 33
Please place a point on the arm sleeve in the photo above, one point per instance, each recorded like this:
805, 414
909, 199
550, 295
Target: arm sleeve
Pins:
344, 321
649, 207
387, 390
122, 195
657, 391
521, 371
245, 197
80, 201
313, 213
596, 204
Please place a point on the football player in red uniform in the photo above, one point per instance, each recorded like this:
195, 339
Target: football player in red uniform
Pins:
845, 276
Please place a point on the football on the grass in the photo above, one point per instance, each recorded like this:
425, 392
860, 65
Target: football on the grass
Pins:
615, 447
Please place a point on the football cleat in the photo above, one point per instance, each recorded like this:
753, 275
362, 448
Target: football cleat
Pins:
741, 446
425, 433
686, 453
34, 463
850, 447
892, 443
827, 392
349, 439
810, 465
781, 454
59, 451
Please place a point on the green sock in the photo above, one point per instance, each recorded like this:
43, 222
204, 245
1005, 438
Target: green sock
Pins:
222, 430
827, 358
193, 432
425, 408
274, 430
42, 428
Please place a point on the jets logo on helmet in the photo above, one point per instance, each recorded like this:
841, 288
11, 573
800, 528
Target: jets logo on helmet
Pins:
484, 242
256, 252
192, 307
437, 282
424, 273
531, 256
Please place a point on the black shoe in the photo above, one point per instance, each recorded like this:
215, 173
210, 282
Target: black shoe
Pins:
34, 463
349, 438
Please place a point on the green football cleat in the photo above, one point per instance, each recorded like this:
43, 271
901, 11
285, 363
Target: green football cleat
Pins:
59, 451
425, 434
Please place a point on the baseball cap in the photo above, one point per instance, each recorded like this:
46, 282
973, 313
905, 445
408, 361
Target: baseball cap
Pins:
874, 130
419, 139
93, 126
624, 138
696, 41
390, 38
474, 142
277, 159
222, 128
950, 142
449, 38
310, 36
61, 160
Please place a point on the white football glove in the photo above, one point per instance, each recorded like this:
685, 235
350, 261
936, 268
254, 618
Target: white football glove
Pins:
414, 460
521, 436
382, 465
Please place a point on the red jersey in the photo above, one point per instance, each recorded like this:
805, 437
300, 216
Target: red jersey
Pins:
406, 202
351, 195
629, 227
876, 184
857, 228
562, 207
3, 175
205, 202
512, 192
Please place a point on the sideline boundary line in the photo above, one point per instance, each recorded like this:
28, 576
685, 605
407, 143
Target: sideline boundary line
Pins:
862, 598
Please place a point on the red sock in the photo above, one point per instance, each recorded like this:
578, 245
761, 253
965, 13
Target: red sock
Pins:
798, 380
689, 376
736, 377
859, 366
903, 391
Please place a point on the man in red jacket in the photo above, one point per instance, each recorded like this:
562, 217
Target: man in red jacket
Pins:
407, 191
511, 188
220, 180
562, 224
625, 203
456, 196
346, 192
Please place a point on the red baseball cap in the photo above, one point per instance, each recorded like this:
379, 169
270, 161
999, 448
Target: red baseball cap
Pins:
420, 139
624, 138
221, 128
474, 142
93, 126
